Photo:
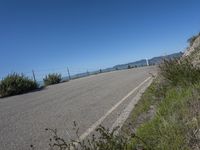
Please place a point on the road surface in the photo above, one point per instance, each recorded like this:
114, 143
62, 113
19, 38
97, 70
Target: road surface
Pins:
23, 118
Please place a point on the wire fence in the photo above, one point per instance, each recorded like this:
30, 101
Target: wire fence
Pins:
66, 73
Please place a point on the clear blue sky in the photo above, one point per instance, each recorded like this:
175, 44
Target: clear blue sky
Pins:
89, 34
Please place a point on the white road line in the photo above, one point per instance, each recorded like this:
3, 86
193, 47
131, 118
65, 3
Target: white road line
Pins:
97, 123
126, 112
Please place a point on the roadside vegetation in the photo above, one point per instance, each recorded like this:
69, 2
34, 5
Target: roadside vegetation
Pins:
14, 84
53, 78
180, 72
105, 141
176, 122
167, 116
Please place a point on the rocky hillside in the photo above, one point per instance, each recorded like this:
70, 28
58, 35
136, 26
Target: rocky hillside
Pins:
193, 51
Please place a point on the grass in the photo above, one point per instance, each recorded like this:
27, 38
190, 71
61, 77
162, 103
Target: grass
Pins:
180, 72
174, 125
147, 100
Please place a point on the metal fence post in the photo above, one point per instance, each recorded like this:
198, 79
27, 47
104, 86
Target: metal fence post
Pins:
68, 73
34, 76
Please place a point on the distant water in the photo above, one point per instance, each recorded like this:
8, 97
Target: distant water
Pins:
81, 75
40, 83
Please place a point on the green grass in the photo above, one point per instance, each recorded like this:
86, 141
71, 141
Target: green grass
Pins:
171, 127
150, 97
180, 72
176, 123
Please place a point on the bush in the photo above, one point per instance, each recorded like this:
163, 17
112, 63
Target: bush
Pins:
53, 78
15, 84
180, 72
103, 139
192, 39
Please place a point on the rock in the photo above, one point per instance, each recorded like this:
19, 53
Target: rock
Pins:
190, 49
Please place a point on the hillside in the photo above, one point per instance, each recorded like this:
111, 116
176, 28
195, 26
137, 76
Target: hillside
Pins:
194, 44
193, 51
166, 117
168, 114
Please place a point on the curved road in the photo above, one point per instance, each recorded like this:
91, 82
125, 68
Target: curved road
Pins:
23, 118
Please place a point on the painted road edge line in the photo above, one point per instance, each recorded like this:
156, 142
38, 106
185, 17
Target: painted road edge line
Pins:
98, 122
126, 112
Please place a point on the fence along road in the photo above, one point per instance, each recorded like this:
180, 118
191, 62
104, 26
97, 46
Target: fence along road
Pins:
23, 118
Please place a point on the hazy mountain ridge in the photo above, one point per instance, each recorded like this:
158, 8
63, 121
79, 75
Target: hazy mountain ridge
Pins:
152, 61
139, 63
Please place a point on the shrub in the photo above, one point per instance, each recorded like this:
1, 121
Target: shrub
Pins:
53, 78
180, 72
192, 39
15, 84
104, 139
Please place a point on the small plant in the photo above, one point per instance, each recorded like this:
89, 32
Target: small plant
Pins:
15, 84
180, 72
53, 78
105, 140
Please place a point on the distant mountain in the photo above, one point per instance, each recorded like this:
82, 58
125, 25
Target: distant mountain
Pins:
142, 62
152, 61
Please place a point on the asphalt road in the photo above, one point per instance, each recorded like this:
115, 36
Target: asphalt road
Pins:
23, 118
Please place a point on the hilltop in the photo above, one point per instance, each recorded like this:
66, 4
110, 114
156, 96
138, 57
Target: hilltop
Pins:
193, 51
